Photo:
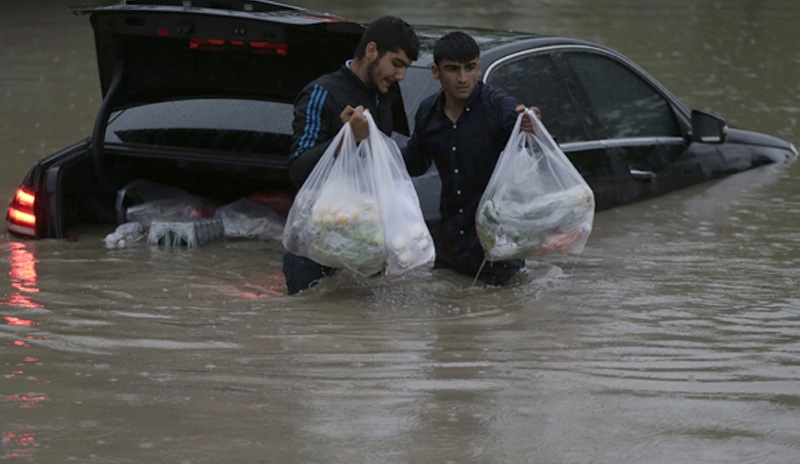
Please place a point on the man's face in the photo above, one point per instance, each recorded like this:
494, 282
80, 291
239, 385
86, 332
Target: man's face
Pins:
458, 79
383, 71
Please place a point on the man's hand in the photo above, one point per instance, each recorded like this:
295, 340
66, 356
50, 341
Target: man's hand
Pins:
358, 122
527, 124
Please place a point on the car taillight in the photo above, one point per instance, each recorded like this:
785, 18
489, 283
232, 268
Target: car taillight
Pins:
21, 216
269, 48
207, 44
254, 47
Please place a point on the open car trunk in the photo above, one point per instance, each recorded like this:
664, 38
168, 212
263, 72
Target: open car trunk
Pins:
197, 95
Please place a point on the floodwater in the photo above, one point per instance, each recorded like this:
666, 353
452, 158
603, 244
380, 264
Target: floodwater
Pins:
675, 336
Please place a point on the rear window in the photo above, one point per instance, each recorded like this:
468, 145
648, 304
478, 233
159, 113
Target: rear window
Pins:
221, 125
416, 86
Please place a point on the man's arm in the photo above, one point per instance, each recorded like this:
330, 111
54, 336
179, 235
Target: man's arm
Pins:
312, 132
414, 154
417, 163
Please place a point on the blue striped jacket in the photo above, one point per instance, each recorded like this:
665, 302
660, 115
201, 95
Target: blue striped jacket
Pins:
317, 111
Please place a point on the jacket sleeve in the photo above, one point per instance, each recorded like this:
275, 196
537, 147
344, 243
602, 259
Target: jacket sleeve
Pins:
312, 131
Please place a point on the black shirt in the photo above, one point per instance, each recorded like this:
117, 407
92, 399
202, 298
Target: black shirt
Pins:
465, 153
317, 112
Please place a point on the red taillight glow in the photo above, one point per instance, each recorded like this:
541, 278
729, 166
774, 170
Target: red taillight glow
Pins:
21, 217
256, 48
207, 44
269, 48
24, 198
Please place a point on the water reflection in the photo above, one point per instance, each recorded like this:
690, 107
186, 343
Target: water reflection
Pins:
675, 335
17, 435
23, 280
18, 440
17, 445
26, 400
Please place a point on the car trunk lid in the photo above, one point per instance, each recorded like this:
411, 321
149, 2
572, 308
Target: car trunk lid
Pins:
160, 50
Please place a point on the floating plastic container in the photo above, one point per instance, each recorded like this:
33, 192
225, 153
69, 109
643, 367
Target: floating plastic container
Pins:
191, 233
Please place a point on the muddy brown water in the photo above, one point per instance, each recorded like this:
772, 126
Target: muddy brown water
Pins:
675, 336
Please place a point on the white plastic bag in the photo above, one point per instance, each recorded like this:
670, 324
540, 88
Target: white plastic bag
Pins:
144, 201
124, 234
358, 209
408, 241
536, 202
334, 219
246, 218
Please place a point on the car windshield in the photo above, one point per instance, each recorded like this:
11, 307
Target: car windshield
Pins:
224, 125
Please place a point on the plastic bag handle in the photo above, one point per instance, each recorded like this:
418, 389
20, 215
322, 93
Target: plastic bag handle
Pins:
343, 138
539, 131
373, 130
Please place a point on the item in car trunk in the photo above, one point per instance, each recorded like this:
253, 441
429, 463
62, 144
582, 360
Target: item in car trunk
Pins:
191, 233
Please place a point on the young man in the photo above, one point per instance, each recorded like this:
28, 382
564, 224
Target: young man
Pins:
368, 81
463, 129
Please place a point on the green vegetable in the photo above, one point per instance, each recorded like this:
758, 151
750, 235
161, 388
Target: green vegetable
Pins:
342, 236
510, 227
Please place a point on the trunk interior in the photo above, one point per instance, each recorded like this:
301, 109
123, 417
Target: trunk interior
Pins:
84, 199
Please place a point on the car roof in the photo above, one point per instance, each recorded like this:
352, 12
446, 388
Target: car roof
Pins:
494, 43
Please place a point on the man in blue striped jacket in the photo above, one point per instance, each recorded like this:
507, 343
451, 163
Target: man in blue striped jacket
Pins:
367, 82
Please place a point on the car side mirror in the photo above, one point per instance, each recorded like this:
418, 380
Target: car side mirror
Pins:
708, 128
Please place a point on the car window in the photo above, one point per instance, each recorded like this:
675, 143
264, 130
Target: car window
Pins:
416, 86
624, 104
227, 125
535, 81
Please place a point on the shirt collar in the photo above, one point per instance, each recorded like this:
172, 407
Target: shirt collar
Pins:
471, 100
347, 70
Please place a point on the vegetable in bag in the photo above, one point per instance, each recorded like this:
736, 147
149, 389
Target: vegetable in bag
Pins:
536, 202
334, 219
358, 209
408, 241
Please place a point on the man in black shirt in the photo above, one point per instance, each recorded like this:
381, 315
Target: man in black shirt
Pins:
463, 129
367, 82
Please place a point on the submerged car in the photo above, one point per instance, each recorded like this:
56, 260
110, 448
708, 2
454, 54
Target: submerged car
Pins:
198, 94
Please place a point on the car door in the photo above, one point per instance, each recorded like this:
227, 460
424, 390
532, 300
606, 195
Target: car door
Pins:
619, 130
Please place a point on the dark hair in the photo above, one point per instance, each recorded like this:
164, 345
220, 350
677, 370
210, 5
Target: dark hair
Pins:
456, 46
390, 34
